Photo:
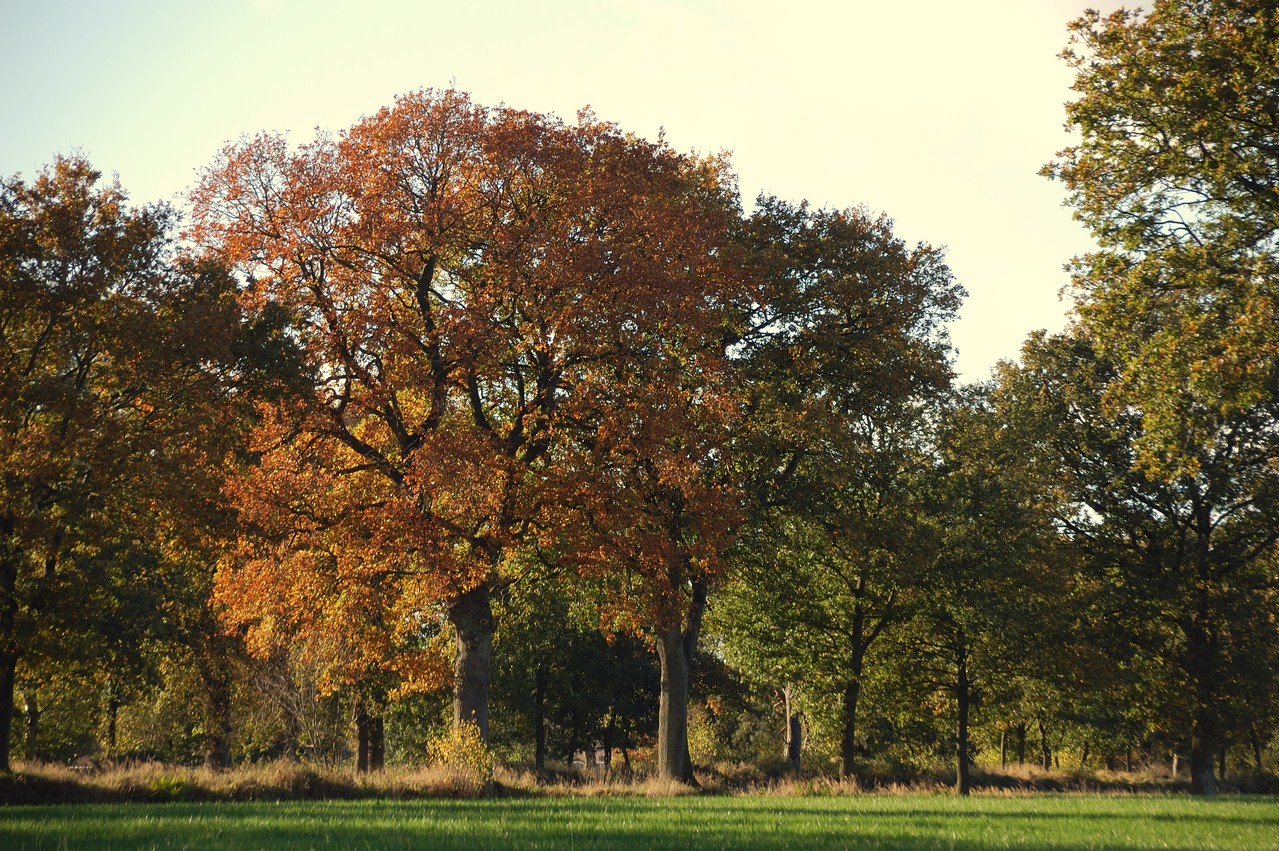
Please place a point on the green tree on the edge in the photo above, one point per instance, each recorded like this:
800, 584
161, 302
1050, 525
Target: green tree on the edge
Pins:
1175, 175
1184, 567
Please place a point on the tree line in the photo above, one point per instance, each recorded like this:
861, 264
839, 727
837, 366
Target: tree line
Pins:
476, 399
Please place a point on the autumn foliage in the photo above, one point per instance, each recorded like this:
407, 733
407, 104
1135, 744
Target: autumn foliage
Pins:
507, 320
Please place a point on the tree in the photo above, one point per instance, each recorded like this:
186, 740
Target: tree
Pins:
482, 295
115, 355
986, 594
1183, 566
839, 362
1174, 174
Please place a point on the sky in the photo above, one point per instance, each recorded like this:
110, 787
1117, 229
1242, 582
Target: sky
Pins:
936, 112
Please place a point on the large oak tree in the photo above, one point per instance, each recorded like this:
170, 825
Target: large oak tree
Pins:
486, 297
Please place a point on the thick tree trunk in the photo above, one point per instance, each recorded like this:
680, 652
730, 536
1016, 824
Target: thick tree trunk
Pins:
1202, 751
472, 618
217, 695
377, 743
675, 649
963, 695
794, 741
361, 739
673, 761
848, 736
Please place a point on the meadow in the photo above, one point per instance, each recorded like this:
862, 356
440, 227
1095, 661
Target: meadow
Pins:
908, 821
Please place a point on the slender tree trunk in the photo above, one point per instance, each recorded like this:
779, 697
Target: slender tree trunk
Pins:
539, 718
1176, 764
472, 617
1083, 758
1205, 733
1021, 743
1045, 750
1003, 748
32, 741
1255, 741
610, 736
8, 635
113, 721
963, 694
1221, 763
675, 649
793, 748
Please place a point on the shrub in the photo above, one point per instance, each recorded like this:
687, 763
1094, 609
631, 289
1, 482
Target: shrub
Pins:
463, 754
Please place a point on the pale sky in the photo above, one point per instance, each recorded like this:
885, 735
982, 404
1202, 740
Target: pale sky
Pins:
936, 112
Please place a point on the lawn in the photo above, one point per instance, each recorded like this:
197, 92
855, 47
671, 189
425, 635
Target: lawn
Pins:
868, 821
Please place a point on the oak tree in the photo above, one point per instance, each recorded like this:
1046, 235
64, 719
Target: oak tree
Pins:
484, 296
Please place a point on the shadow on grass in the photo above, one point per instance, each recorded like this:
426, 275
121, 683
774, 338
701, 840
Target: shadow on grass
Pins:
631, 823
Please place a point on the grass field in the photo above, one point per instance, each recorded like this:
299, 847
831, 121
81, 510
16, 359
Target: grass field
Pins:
708, 822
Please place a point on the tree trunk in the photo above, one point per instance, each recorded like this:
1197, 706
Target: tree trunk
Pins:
1255, 741
1205, 736
539, 719
8, 673
1202, 751
1003, 748
216, 675
963, 694
848, 738
472, 618
793, 747
31, 749
377, 743
1221, 763
361, 739
1045, 750
673, 761
1021, 743
8, 636
675, 649
113, 721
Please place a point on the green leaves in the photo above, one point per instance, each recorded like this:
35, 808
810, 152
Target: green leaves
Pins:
1175, 175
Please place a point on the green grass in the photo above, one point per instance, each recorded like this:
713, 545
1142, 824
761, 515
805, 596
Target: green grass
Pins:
867, 821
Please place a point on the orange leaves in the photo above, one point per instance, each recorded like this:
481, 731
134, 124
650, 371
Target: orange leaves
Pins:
513, 327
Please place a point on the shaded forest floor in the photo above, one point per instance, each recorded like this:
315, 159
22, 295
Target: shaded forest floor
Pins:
153, 782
